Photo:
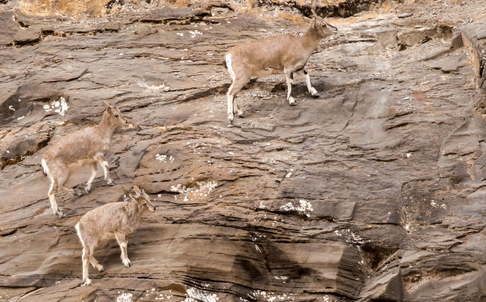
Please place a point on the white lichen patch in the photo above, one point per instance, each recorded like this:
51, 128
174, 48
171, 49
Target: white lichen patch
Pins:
195, 33
162, 297
435, 204
162, 158
155, 294
270, 296
349, 236
125, 297
327, 298
304, 207
197, 295
261, 206
197, 193
60, 106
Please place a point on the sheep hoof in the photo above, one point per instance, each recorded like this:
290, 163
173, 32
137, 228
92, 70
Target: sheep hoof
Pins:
68, 190
292, 102
110, 181
87, 282
127, 263
100, 268
240, 113
80, 192
314, 92
61, 214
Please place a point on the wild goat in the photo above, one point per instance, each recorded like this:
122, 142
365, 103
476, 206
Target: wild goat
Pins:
87, 146
111, 221
263, 57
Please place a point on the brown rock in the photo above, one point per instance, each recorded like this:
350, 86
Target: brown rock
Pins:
372, 192
473, 37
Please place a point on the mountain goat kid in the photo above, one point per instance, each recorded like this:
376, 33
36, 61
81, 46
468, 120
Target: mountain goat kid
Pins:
263, 57
111, 221
87, 146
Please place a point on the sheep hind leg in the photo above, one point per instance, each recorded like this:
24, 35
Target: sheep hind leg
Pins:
237, 85
52, 198
58, 175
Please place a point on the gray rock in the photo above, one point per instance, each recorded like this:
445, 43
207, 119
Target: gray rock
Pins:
8, 28
449, 63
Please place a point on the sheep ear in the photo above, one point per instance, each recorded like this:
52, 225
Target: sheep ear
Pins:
314, 22
109, 109
314, 13
105, 103
329, 25
132, 198
137, 190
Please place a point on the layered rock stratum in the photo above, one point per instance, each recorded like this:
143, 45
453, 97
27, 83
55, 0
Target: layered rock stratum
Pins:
372, 192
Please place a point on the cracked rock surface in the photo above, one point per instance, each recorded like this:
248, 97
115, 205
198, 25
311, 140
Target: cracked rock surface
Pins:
372, 192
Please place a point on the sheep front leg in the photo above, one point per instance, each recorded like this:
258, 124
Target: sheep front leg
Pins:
233, 108
104, 164
92, 177
120, 237
303, 73
288, 78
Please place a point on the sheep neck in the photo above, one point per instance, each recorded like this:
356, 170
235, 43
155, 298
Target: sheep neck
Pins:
135, 212
105, 126
311, 38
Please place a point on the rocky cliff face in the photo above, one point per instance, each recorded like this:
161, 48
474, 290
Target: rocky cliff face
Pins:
372, 192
